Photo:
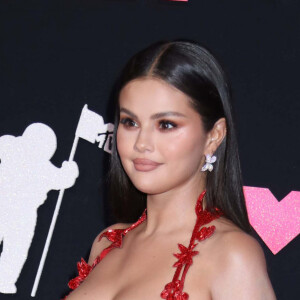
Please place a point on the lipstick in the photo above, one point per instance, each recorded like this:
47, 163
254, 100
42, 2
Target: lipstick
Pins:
145, 165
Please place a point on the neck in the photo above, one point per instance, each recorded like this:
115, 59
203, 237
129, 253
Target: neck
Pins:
172, 211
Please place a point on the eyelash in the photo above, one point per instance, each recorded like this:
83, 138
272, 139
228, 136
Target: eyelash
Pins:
166, 122
126, 122
163, 124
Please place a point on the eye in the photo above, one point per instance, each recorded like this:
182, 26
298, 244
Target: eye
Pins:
127, 122
166, 125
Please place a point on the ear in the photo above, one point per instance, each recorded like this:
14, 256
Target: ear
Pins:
216, 136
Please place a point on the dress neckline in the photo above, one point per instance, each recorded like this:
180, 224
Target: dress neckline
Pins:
174, 289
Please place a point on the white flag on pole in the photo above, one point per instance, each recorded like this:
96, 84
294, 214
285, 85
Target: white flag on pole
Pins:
90, 125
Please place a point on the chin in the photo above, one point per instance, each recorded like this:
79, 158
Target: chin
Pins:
148, 187
153, 188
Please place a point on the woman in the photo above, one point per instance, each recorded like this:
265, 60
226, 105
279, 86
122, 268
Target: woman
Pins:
175, 153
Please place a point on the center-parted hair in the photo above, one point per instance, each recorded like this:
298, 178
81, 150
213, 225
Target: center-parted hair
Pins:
193, 70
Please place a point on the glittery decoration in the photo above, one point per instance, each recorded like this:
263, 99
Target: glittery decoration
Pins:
91, 128
115, 236
83, 271
277, 223
174, 289
26, 176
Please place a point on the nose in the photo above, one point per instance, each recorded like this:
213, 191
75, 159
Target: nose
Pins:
144, 141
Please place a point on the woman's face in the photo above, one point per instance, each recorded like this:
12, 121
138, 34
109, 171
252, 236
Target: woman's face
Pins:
160, 137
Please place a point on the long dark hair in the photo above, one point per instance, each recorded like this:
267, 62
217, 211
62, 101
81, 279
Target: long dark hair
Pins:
193, 70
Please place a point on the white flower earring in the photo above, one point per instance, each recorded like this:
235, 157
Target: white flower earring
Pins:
208, 163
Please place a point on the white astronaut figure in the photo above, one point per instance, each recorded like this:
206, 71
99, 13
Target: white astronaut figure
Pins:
26, 176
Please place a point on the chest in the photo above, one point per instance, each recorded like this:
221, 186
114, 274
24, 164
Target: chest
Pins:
141, 271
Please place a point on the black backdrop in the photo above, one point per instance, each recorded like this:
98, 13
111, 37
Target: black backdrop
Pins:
58, 55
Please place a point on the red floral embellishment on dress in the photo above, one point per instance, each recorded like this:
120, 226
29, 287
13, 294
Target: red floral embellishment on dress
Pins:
173, 291
185, 257
83, 271
205, 232
113, 235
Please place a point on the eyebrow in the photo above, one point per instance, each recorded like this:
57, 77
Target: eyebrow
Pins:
155, 116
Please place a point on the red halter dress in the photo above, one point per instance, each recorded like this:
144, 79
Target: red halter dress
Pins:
174, 289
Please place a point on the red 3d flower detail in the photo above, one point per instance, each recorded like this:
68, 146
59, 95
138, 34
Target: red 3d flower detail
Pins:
185, 257
173, 291
204, 216
83, 271
113, 235
205, 232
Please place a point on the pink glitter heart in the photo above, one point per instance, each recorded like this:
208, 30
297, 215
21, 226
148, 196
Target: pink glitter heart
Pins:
277, 223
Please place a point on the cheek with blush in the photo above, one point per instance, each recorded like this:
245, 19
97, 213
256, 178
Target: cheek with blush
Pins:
185, 146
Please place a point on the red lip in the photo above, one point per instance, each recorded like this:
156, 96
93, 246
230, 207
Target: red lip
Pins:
143, 161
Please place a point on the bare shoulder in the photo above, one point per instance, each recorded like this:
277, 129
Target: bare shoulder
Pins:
241, 272
240, 247
98, 246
